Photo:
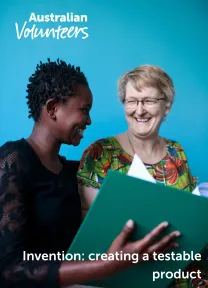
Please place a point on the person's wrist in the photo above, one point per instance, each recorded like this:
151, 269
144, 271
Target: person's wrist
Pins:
114, 266
109, 267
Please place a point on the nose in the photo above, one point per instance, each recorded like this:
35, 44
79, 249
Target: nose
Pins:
88, 120
140, 109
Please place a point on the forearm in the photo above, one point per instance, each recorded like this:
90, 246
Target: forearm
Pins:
80, 272
33, 274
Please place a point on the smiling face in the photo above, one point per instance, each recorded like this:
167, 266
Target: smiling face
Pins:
72, 117
144, 120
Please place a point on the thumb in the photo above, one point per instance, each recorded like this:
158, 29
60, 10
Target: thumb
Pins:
125, 233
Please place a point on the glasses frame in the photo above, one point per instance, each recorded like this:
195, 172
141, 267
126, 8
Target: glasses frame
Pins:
142, 101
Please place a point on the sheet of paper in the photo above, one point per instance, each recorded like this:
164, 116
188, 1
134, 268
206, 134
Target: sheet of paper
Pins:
196, 191
138, 170
201, 189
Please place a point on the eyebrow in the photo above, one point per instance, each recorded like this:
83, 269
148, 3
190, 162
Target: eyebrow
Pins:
86, 105
145, 97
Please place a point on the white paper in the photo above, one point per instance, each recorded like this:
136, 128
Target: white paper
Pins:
201, 189
196, 191
138, 170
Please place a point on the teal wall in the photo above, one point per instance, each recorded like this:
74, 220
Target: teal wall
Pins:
122, 35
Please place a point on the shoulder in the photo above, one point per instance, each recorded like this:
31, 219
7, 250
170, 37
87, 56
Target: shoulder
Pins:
12, 154
175, 148
177, 151
100, 148
95, 162
98, 158
173, 143
10, 146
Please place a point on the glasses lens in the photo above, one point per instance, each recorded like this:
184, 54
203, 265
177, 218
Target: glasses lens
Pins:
150, 102
131, 104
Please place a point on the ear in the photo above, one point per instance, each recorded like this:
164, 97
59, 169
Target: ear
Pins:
168, 107
51, 108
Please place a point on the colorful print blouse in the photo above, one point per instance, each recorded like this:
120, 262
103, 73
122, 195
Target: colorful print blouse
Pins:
172, 170
107, 153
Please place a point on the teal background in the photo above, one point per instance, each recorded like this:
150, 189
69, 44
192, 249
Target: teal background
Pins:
122, 35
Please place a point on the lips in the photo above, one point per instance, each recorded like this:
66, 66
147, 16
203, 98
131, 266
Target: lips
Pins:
80, 131
142, 120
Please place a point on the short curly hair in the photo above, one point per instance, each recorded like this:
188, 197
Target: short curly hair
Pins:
147, 76
52, 80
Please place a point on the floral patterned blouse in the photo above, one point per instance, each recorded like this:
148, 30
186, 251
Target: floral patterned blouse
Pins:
107, 153
173, 170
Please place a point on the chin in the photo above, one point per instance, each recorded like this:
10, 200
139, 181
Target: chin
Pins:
71, 142
143, 136
146, 135
75, 142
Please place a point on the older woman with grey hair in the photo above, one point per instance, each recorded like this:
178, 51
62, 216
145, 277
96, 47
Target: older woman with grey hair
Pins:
147, 94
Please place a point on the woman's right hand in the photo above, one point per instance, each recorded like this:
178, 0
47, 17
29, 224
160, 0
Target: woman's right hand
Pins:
83, 271
147, 244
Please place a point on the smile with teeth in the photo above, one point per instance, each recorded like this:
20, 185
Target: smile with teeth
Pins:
142, 120
80, 131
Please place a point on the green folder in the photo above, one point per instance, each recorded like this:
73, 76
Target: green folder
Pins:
122, 197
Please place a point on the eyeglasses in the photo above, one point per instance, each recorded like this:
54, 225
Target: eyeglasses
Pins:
147, 102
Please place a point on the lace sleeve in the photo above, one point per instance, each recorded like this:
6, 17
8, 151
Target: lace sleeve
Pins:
14, 272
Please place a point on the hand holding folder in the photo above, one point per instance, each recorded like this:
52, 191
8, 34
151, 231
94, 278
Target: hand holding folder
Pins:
148, 204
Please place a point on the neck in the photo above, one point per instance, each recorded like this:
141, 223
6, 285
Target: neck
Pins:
44, 142
148, 146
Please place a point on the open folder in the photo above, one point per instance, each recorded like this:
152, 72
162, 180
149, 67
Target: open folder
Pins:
124, 197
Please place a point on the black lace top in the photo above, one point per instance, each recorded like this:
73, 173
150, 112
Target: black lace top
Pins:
40, 212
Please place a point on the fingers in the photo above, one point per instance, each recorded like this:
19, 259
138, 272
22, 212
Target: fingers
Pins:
148, 243
122, 238
164, 243
162, 251
144, 243
167, 248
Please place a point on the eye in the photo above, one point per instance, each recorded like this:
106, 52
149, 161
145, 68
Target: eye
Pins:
131, 102
85, 110
150, 101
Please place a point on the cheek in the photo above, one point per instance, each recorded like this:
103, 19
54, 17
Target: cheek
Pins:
65, 123
128, 118
75, 121
65, 128
159, 113
128, 113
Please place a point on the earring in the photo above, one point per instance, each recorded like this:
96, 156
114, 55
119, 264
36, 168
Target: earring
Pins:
53, 117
